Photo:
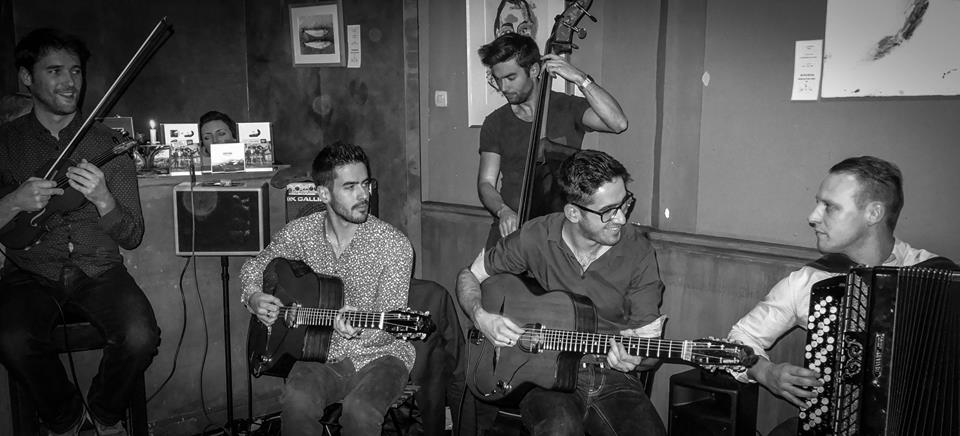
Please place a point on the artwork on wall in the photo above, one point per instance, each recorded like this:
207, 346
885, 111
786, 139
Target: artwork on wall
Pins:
891, 48
316, 34
487, 19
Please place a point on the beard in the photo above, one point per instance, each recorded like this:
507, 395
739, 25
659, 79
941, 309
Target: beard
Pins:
56, 103
357, 214
604, 235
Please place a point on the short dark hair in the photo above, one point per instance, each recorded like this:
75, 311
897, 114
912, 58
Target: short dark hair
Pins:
41, 41
879, 181
218, 116
510, 46
334, 156
581, 174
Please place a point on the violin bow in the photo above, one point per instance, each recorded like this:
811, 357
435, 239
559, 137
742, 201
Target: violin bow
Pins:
133, 67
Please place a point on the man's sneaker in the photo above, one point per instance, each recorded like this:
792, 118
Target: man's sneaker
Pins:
110, 430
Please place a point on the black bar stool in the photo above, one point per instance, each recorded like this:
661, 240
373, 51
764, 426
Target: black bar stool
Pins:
82, 336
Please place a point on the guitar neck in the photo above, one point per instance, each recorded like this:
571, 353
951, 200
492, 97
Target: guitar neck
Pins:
306, 316
598, 343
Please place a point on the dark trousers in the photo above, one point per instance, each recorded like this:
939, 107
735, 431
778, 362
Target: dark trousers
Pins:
606, 402
30, 308
366, 395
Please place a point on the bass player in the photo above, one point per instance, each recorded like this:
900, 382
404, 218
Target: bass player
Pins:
587, 249
366, 370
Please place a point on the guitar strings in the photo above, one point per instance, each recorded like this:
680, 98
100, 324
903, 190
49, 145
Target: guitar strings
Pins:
326, 316
599, 342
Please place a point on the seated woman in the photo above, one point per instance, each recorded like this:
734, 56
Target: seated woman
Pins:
215, 128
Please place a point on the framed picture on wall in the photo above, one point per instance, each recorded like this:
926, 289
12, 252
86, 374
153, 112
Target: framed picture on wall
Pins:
316, 34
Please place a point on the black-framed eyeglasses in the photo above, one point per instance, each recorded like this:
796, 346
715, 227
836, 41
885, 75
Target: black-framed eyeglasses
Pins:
607, 214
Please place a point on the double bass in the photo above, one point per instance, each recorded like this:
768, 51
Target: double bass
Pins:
27, 227
539, 192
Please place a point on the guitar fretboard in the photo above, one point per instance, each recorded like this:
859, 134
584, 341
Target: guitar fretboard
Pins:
297, 316
599, 343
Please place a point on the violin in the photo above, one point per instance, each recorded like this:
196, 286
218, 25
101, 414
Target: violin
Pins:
27, 227
539, 192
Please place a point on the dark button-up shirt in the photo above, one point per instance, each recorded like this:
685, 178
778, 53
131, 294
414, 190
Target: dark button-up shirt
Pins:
80, 237
623, 283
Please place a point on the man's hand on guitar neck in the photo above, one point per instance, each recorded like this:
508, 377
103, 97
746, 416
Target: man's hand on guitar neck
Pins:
266, 307
343, 327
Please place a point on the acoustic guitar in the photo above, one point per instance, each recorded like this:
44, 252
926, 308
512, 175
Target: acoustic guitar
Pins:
304, 326
559, 329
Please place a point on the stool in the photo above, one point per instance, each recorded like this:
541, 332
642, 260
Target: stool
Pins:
704, 403
332, 414
82, 336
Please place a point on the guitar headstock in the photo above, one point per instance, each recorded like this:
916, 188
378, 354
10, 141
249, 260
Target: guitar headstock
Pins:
712, 353
564, 26
409, 324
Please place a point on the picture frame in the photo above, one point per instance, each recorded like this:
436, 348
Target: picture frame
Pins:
317, 34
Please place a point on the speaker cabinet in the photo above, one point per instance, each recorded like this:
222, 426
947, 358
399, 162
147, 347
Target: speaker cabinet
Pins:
711, 404
214, 220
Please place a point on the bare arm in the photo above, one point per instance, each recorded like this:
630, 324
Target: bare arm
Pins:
605, 113
499, 330
487, 177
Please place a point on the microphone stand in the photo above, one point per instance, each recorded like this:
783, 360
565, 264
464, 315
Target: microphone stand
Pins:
225, 278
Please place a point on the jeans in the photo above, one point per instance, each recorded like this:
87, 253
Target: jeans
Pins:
366, 395
606, 402
31, 307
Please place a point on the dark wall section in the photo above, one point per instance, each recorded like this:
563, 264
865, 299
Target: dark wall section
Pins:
201, 66
315, 106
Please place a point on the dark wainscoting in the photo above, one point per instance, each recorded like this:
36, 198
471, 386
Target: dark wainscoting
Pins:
710, 283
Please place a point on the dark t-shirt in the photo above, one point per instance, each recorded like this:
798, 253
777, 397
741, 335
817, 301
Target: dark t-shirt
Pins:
623, 283
505, 134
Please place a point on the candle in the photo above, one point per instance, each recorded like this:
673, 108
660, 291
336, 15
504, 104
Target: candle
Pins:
153, 132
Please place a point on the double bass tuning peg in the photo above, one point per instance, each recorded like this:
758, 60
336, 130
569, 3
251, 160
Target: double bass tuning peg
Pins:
584, 10
581, 32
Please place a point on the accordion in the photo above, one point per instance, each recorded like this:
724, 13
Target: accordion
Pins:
886, 342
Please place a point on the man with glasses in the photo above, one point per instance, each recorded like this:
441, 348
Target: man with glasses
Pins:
515, 68
587, 249
366, 370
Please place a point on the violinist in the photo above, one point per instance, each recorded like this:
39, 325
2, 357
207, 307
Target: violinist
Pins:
74, 267
515, 67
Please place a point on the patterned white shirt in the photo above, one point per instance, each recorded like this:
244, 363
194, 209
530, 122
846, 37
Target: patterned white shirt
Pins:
375, 269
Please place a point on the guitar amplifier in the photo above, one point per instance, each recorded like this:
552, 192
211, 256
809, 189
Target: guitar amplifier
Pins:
216, 220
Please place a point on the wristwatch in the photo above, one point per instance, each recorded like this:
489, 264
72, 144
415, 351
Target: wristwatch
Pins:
587, 80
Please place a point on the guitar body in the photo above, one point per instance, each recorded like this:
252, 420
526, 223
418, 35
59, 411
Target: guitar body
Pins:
273, 351
503, 375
